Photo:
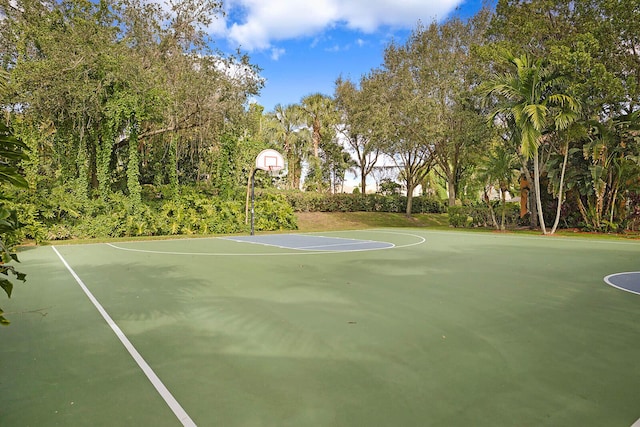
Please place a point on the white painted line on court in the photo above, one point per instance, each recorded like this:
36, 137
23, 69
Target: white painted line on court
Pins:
548, 237
179, 412
320, 248
255, 254
636, 424
608, 281
419, 240
354, 243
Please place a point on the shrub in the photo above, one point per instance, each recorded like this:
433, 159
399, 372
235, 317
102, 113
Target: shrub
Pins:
459, 216
479, 215
343, 202
274, 213
59, 215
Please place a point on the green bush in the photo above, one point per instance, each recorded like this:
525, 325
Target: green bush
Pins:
274, 213
459, 216
479, 215
343, 202
59, 215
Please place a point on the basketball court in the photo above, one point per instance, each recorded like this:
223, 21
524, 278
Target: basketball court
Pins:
371, 327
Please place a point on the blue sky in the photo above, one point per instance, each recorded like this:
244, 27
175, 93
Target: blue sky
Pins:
304, 46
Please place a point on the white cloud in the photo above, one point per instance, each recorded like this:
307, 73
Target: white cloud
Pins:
264, 22
276, 53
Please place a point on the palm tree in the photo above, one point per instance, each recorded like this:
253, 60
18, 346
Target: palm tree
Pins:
500, 169
321, 117
320, 113
286, 125
530, 97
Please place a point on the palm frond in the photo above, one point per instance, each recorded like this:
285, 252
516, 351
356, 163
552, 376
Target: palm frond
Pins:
4, 77
564, 119
529, 139
564, 101
537, 115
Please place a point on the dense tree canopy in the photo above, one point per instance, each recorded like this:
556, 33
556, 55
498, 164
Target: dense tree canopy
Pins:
121, 87
134, 118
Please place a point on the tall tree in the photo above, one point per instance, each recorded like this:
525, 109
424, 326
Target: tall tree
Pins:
102, 73
449, 71
321, 118
594, 43
530, 97
358, 115
409, 112
286, 126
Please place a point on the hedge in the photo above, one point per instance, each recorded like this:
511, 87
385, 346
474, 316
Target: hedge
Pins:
343, 202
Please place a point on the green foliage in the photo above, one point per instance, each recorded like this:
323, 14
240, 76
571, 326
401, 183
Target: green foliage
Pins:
135, 129
459, 216
172, 168
479, 215
133, 167
389, 187
343, 202
274, 213
11, 151
195, 210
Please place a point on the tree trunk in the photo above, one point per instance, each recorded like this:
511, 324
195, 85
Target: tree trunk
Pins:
503, 200
316, 138
536, 183
582, 209
451, 188
564, 167
531, 195
410, 187
485, 195
534, 208
524, 196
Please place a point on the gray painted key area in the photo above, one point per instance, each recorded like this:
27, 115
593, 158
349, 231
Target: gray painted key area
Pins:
313, 243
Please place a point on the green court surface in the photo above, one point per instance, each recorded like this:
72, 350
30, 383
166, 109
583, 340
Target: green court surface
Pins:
422, 328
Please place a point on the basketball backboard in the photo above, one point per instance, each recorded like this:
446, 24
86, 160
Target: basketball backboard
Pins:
270, 160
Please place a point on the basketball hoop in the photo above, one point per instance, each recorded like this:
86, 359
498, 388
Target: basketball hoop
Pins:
273, 163
270, 160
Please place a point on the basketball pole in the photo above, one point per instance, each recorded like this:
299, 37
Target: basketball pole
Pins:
268, 160
253, 182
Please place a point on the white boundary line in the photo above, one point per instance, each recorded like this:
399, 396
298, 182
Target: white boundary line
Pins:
179, 412
548, 238
354, 243
636, 424
608, 282
319, 248
420, 241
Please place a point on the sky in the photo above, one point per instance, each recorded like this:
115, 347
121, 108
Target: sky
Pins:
303, 46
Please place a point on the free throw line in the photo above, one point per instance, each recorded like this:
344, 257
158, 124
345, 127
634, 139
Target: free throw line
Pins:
179, 412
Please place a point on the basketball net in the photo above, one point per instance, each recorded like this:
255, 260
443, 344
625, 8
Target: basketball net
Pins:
274, 171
